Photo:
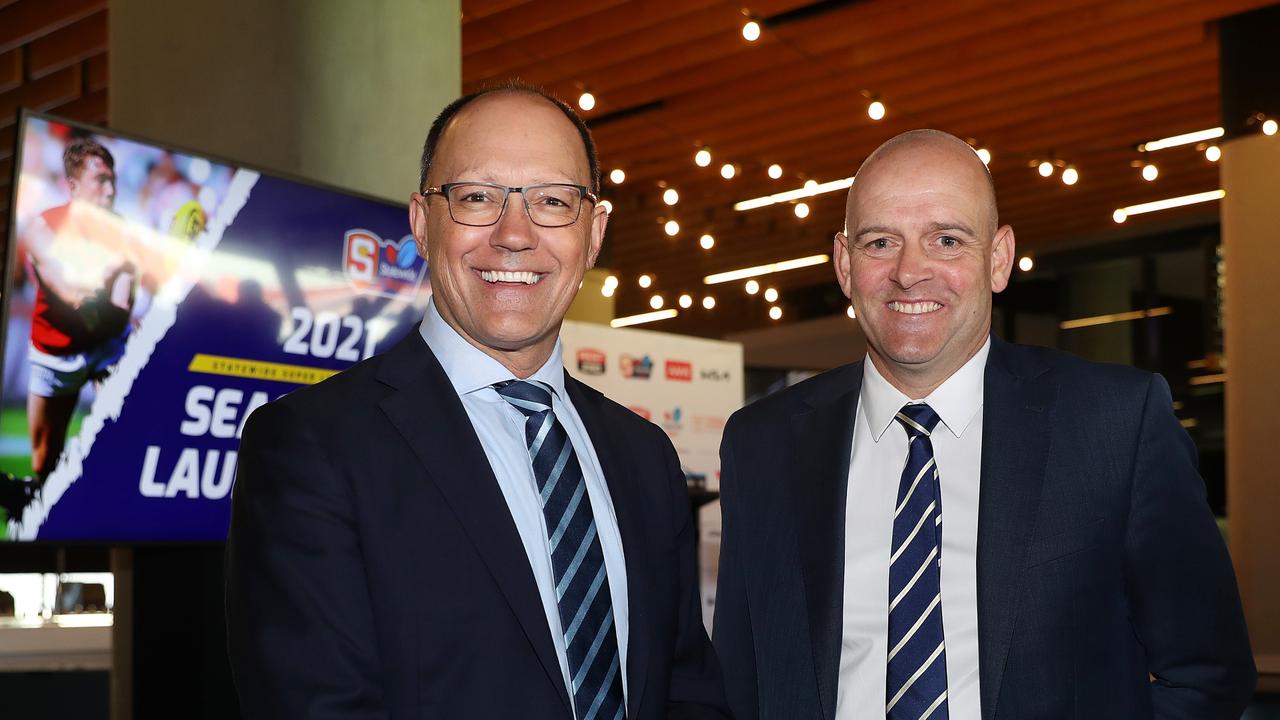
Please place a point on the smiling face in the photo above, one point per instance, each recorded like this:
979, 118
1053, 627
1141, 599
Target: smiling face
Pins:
505, 288
922, 258
95, 183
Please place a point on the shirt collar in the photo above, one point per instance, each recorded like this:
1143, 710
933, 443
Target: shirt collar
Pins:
469, 370
956, 401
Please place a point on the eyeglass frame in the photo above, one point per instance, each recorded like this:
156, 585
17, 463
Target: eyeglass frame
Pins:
443, 190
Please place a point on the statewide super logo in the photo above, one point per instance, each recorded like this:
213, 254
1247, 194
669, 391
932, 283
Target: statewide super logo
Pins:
639, 368
591, 361
382, 267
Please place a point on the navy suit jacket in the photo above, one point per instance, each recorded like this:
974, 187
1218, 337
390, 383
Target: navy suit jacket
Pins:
1099, 561
374, 570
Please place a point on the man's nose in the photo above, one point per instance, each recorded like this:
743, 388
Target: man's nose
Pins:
515, 231
913, 265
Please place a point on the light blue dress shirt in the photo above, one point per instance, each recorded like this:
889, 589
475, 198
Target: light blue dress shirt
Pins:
500, 428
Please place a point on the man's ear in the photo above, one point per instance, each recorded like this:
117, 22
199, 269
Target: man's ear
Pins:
840, 258
599, 219
1002, 253
418, 222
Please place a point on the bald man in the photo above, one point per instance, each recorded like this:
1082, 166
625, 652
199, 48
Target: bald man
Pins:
1077, 571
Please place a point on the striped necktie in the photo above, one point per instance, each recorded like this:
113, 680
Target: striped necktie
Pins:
582, 587
916, 686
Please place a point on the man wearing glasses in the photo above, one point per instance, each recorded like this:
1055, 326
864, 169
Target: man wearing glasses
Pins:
456, 528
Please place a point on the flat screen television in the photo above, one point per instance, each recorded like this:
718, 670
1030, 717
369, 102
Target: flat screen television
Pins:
153, 298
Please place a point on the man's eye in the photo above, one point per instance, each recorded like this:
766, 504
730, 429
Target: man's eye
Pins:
476, 197
878, 244
948, 242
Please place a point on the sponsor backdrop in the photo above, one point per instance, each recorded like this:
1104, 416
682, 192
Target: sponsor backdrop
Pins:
239, 287
688, 386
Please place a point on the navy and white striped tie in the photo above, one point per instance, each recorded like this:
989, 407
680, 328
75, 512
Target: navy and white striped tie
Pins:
582, 587
916, 686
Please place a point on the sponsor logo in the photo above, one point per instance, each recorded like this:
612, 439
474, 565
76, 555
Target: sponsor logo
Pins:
381, 267
591, 361
714, 375
708, 423
641, 411
639, 368
679, 370
673, 420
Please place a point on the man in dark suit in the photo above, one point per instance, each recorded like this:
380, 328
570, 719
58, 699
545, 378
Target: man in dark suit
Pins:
1077, 571
456, 528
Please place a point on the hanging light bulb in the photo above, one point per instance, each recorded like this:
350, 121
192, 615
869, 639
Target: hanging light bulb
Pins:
752, 287
586, 101
702, 158
775, 313
1213, 153
608, 206
616, 176
671, 228
875, 110
771, 295
1045, 169
984, 155
1149, 172
645, 281
1026, 263
707, 241
727, 171
775, 171
751, 31
655, 302
670, 196
802, 210
1070, 176
686, 301
708, 302
1269, 127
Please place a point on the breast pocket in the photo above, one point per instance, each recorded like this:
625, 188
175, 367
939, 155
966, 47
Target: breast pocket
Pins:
1068, 542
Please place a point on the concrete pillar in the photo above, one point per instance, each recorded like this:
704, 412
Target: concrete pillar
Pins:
1251, 242
334, 91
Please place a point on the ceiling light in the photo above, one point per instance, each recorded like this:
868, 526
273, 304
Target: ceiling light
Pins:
685, 301
802, 210
775, 171
616, 176
775, 313
984, 155
751, 31
608, 290
1045, 169
752, 287
851, 312
671, 228
1070, 176
1184, 139
702, 158
586, 101
643, 318
670, 196
645, 281
727, 171
707, 242
655, 302
1115, 317
608, 206
1213, 153
1269, 127
1150, 172
781, 266
811, 188
611, 280
1026, 263
771, 295
1123, 213
875, 110
708, 302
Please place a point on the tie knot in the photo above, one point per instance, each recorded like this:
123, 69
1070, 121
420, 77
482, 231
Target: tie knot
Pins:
917, 419
529, 397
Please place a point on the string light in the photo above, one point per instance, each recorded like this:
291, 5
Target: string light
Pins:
616, 176
775, 171
586, 101
1269, 127
1213, 153
1026, 263
707, 242
1070, 176
875, 111
708, 302
771, 295
752, 287
727, 171
655, 302
775, 313
644, 281
1045, 169
685, 301
670, 196
751, 31
702, 158
1150, 172
608, 290
671, 228
802, 210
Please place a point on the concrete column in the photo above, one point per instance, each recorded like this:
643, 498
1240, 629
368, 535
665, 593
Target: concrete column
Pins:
334, 91
1251, 241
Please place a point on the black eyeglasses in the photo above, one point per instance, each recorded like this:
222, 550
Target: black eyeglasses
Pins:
549, 205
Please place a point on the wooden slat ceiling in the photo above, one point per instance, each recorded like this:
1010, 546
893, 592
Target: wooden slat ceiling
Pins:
1083, 81
53, 58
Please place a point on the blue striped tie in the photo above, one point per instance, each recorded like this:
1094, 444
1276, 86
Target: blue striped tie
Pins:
916, 686
582, 587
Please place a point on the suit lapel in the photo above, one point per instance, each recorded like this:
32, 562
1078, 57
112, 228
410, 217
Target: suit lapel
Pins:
1017, 420
823, 442
429, 415
624, 488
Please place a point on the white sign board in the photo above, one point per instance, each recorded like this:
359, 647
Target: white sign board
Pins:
688, 386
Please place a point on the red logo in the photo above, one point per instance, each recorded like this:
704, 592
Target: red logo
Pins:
642, 412
679, 370
591, 361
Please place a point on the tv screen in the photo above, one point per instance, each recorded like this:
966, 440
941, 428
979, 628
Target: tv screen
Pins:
153, 298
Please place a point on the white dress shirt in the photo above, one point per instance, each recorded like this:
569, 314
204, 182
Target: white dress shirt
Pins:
879, 455
500, 428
